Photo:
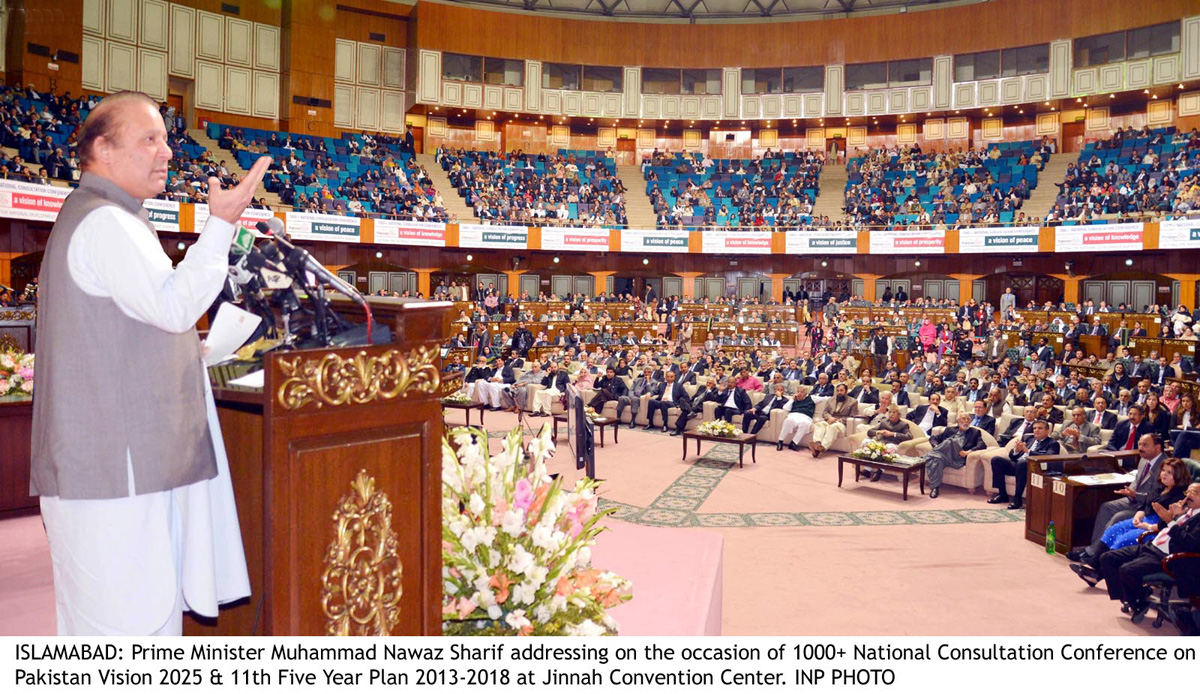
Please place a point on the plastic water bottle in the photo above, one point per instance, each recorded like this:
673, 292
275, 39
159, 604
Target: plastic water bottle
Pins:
1050, 539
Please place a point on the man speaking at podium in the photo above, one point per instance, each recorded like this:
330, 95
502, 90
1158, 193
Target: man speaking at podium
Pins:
127, 456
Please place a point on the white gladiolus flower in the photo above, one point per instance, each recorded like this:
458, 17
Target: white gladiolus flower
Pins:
513, 522
541, 613
516, 619
587, 628
494, 612
476, 504
542, 536
583, 558
521, 560
524, 594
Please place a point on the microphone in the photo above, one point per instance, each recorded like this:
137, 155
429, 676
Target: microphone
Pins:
300, 260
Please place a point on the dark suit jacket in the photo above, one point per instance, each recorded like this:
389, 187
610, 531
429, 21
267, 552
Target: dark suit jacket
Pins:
901, 399
740, 399
1120, 435
769, 403
678, 395
1046, 446
987, 423
557, 380
616, 386
1011, 431
1108, 420
918, 414
823, 391
972, 441
872, 396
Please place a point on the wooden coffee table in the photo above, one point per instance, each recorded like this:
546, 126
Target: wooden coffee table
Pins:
600, 424
740, 439
905, 470
466, 407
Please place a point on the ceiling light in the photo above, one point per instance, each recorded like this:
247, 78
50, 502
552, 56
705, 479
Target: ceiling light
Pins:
181, 245
378, 254
556, 259
645, 261
824, 263
1129, 261
470, 257
1112, 96
1181, 85
917, 263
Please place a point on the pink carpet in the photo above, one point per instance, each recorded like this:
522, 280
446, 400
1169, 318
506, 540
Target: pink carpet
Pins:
800, 555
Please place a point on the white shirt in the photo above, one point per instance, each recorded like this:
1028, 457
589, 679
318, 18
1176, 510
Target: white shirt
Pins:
669, 393
731, 401
1163, 539
927, 421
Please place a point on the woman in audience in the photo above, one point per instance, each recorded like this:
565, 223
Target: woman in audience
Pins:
1119, 378
1175, 477
1157, 415
1185, 427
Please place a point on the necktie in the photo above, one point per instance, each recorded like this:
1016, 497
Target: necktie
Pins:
975, 422
1132, 438
1099, 418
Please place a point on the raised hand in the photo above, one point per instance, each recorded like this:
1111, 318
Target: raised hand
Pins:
228, 203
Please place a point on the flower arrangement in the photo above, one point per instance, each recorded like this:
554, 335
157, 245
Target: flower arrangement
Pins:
458, 398
718, 427
16, 373
592, 414
874, 449
516, 545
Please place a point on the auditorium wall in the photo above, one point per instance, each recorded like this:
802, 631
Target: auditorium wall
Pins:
960, 29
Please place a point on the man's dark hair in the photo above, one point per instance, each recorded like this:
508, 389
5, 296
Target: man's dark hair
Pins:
103, 122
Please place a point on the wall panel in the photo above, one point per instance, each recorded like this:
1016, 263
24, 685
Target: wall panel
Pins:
533, 86
943, 76
93, 17
266, 47
152, 73
343, 105
266, 95
239, 42
239, 85
92, 62
210, 36
632, 85
210, 80
153, 23
122, 20
181, 56
473, 95
120, 65
429, 77
366, 108
370, 64
391, 111
834, 90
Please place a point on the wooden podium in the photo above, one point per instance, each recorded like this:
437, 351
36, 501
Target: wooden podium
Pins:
336, 467
1072, 505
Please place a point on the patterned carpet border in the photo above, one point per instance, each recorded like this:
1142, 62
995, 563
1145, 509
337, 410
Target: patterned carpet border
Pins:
676, 506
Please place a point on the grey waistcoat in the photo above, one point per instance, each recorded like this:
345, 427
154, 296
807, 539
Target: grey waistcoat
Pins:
108, 384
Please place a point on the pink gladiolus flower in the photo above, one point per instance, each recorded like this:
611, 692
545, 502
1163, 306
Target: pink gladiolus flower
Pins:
465, 607
523, 495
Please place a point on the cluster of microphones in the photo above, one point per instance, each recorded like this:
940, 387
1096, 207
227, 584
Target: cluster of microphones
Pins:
268, 260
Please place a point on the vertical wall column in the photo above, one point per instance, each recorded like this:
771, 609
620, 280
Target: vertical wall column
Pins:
1060, 69
869, 286
835, 89
689, 283
777, 279
965, 285
943, 80
1071, 287
424, 280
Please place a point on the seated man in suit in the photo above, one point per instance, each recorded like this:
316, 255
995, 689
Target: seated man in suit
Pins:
799, 420
950, 449
1146, 485
642, 385
670, 395
1049, 412
753, 421
695, 405
731, 401
1016, 463
609, 387
899, 394
929, 416
865, 393
555, 384
838, 411
980, 417
1126, 434
1078, 434
516, 397
1019, 428
1100, 415
1124, 570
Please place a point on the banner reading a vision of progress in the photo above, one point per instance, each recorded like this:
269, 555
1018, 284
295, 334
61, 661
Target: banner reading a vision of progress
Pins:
323, 227
1180, 233
1099, 237
913, 242
654, 241
998, 240
486, 236
164, 214
572, 239
410, 233
821, 241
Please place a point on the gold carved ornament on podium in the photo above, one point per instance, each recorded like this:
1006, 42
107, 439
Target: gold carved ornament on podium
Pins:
357, 380
361, 584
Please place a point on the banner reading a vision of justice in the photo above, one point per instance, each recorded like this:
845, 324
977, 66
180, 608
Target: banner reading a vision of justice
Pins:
1099, 237
323, 227
821, 241
486, 236
654, 241
998, 240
